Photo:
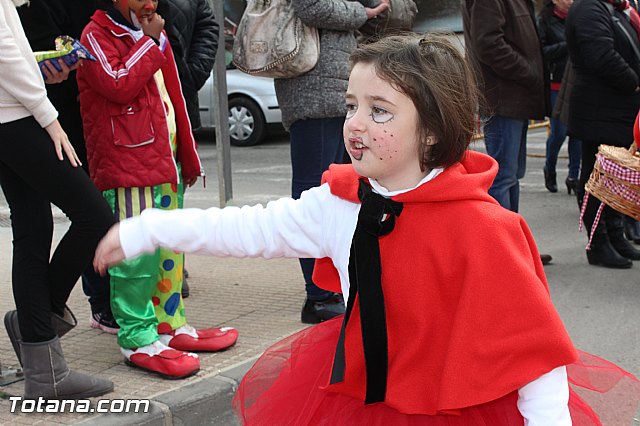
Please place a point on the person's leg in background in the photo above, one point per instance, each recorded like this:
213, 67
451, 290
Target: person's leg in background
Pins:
514, 193
95, 287
315, 144
32, 227
506, 141
186, 290
503, 138
554, 143
575, 154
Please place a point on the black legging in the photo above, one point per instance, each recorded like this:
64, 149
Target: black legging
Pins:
32, 177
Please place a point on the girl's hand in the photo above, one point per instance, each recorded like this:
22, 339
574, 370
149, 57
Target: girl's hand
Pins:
61, 142
375, 11
109, 251
152, 25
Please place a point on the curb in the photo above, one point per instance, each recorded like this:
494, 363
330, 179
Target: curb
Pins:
207, 401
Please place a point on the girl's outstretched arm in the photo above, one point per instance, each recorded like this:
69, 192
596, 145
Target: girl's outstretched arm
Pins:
284, 228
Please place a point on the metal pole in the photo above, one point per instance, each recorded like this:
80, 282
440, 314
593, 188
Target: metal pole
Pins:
221, 115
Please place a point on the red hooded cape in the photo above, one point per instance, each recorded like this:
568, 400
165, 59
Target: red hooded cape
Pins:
469, 315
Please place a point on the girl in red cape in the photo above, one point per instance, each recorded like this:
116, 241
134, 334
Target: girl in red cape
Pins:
449, 319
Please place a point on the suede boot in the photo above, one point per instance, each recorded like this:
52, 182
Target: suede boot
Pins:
603, 253
615, 229
46, 374
61, 325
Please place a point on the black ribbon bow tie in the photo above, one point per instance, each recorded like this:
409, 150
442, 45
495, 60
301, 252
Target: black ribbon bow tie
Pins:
377, 217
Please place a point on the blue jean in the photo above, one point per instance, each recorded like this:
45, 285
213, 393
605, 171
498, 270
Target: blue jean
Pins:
555, 141
97, 289
315, 144
505, 139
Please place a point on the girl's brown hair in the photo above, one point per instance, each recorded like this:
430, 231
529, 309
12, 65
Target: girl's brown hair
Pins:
430, 70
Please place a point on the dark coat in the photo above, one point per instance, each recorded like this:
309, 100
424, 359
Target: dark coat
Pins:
554, 46
193, 34
502, 42
604, 100
43, 21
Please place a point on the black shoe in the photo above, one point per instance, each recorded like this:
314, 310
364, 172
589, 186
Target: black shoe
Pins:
602, 252
572, 185
615, 222
546, 259
104, 321
317, 312
608, 257
625, 249
185, 287
550, 181
632, 229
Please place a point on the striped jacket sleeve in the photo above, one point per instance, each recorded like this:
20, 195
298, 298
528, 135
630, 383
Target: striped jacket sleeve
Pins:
119, 78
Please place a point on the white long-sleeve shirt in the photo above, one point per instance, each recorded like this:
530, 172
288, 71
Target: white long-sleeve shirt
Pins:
317, 225
22, 90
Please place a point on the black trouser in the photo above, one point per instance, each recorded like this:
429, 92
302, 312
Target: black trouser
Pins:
31, 177
94, 286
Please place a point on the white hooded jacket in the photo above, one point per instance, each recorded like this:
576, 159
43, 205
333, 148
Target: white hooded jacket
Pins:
22, 90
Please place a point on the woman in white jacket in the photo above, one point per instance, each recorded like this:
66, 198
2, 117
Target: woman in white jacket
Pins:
38, 166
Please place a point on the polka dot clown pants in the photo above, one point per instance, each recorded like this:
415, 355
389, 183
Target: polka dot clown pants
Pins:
145, 291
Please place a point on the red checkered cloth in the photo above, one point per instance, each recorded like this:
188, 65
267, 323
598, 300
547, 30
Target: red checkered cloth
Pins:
614, 169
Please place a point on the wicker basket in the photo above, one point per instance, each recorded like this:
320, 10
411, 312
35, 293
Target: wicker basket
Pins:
615, 179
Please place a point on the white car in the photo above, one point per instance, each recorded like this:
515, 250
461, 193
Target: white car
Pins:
253, 107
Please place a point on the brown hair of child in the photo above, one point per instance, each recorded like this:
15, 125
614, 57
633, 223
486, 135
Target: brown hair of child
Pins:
434, 74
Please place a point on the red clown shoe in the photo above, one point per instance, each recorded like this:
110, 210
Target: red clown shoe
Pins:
161, 359
187, 338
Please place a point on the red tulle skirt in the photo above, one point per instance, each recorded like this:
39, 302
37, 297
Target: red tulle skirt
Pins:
284, 387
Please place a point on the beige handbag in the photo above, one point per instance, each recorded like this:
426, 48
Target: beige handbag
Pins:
271, 41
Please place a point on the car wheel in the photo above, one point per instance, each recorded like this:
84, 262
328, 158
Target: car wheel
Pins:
246, 122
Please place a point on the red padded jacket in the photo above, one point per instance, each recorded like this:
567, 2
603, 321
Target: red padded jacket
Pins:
123, 114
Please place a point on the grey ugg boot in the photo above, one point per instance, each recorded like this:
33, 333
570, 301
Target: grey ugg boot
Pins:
46, 374
61, 326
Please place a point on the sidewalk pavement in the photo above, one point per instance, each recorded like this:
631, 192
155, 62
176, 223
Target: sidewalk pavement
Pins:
262, 299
